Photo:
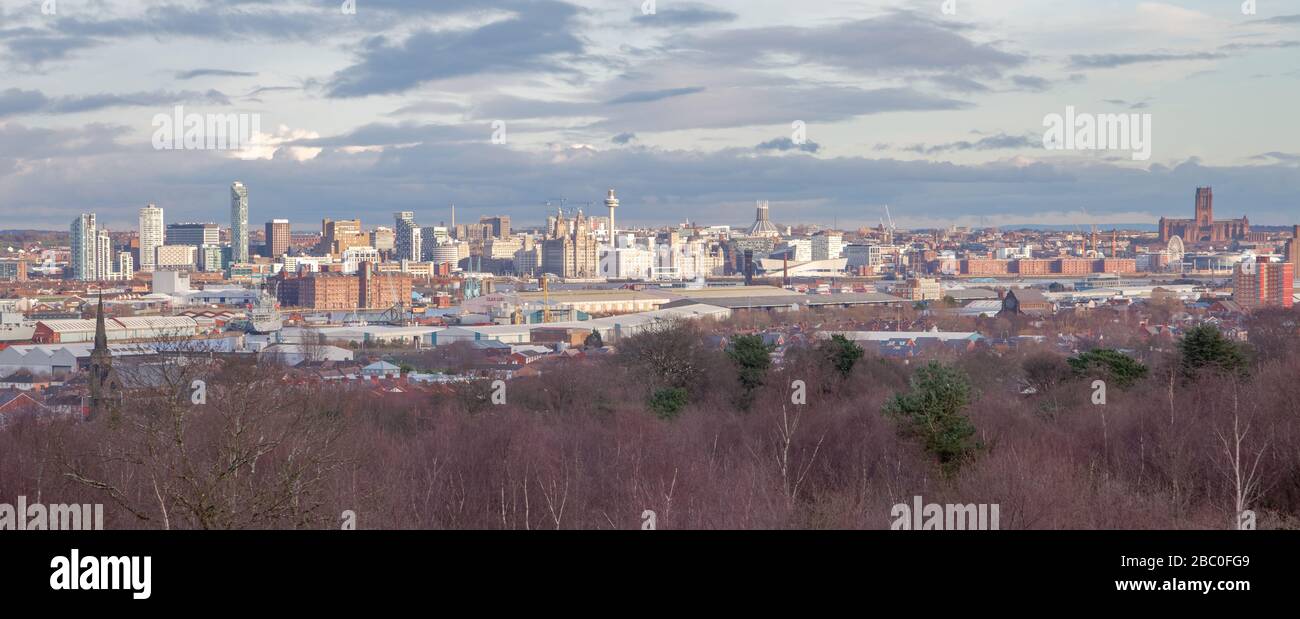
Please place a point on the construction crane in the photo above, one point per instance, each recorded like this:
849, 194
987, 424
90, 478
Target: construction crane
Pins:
888, 230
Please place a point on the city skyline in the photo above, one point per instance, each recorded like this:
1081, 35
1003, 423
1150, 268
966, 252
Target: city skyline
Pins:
694, 111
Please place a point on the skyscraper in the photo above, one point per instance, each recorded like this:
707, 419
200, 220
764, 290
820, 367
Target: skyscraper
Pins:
238, 222
151, 235
85, 239
104, 255
277, 237
408, 246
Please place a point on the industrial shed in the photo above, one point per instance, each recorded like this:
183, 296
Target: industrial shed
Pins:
127, 329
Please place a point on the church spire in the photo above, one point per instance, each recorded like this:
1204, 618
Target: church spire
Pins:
104, 383
101, 333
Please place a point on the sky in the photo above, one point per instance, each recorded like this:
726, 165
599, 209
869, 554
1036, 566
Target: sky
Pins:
827, 109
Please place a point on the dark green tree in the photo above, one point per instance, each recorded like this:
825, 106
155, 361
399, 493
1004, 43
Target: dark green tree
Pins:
752, 359
668, 402
1110, 365
933, 412
1205, 348
842, 352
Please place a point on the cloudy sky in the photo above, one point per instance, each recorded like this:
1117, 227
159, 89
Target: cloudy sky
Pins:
692, 110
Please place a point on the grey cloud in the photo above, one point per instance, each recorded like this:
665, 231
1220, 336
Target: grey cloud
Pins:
1132, 105
16, 102
1280, 19
786, 144
532, 40
1031, 82
1108, 61
958, 83
899, 41
655, 95
999, 141
193, 73
1277, 156
683, 16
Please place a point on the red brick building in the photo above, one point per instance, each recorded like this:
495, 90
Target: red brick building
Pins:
1263, 283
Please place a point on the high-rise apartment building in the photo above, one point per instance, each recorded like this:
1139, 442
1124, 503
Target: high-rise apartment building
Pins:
277, 237
1263, 283
104, 256
85, 238
407, 243
125, 265
151, 235
238, 222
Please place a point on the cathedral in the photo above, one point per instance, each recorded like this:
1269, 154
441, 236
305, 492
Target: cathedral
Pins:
1204, 229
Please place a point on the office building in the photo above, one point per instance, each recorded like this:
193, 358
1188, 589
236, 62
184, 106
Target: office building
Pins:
175, 257
499, 225
192, 234
277, 237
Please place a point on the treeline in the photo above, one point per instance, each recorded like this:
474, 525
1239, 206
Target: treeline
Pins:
833, 437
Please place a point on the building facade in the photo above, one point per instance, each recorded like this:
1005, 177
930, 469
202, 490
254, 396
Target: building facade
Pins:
277, 237
194, 234
1263, 283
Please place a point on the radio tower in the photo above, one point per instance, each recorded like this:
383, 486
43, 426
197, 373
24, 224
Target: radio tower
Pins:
611, 203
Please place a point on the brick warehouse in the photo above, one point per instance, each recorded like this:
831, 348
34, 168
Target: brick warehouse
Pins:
337, 291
